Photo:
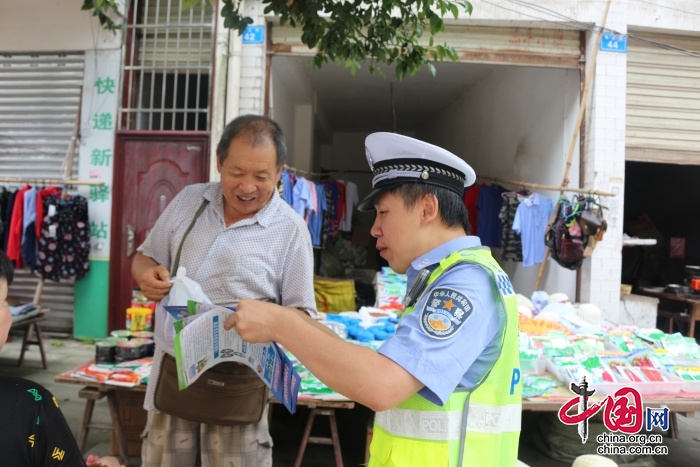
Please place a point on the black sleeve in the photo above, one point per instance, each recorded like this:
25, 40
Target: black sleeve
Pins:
53, 441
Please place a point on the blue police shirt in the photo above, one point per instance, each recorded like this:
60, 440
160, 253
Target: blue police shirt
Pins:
444, 357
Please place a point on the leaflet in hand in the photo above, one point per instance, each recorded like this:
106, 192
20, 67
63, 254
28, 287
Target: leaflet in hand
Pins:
201, 342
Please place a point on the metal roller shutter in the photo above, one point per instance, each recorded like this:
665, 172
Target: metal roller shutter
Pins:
663, 101
39, 95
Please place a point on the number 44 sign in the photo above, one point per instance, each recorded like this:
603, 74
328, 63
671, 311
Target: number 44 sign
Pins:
612, 42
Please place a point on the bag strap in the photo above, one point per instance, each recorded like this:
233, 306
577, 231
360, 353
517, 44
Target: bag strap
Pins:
204, 204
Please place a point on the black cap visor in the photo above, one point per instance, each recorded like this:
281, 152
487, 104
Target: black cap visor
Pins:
367, 204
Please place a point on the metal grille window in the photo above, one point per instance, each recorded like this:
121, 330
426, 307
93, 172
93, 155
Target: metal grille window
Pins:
168, 66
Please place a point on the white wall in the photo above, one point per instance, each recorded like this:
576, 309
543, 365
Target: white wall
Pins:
292, 108
672, 15
50, 26
517, 124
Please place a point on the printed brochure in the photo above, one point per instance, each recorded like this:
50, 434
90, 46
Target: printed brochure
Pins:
201, 342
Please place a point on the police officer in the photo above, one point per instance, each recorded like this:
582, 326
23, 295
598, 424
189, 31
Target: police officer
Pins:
446, 387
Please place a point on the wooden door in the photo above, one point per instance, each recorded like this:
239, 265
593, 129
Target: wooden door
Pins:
150, 168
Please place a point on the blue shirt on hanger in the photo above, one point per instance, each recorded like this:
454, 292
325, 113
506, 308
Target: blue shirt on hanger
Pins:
531, 223
316, 218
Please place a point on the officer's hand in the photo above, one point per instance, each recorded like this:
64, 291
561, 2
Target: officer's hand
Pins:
255, 320
155, 282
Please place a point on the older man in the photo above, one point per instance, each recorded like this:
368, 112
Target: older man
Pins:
246, 243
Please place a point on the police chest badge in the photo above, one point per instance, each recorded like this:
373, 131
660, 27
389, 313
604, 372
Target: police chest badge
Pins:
445, 312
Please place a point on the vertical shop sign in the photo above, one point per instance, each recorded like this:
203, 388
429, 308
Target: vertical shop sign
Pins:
99, 116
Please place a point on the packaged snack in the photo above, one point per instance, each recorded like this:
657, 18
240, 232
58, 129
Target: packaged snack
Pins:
534, 385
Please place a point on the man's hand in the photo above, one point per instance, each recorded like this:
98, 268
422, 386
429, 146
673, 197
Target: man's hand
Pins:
154, 282
153, 278
108, 461
255, 320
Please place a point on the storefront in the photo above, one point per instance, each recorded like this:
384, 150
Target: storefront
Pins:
662, 157
508, 107
39, 102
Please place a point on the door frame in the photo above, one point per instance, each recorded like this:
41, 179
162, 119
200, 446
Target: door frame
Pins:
116, 317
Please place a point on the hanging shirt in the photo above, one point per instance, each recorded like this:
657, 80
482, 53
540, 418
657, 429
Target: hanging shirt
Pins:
351, 200
314, 201
489, 205
287, 187
29, 238
511, 244
330, 225
14, 239
64, 246
302, 197
470, 197
530, 222
316, 218
339, 208
52, 190
7, 199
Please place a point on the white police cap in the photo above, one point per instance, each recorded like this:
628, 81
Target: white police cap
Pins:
397, 159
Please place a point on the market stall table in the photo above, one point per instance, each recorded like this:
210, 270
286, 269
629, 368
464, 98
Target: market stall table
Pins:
324, 405
683, 403
691, 303
92, 391
32, 334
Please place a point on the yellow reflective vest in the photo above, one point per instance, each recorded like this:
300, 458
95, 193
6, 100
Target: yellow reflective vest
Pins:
477, 426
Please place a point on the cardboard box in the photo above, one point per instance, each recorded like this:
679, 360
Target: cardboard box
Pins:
133, 417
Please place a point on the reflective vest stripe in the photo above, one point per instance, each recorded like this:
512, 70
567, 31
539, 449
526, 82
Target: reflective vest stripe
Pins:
447, 426
494, 419
418, 424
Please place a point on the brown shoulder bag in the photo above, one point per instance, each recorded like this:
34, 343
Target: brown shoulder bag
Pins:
229, 393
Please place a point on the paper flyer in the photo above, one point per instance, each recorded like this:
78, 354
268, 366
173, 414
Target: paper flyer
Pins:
201, 342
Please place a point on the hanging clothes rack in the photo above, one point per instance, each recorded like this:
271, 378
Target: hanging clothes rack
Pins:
323, 174
66, 181
544, 187
50, 181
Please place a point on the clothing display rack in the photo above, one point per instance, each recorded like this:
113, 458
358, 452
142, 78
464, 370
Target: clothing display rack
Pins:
48, 181
326, 173
590, 72
544, 187
65, 181
51, 181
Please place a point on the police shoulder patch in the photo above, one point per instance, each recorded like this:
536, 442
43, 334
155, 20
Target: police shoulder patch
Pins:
445, 311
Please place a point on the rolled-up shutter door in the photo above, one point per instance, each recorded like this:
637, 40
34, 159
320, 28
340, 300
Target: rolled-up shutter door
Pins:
663, 100
477, 44
39, 95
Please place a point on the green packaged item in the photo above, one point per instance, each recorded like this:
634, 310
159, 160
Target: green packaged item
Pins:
587, 344
534, 385
527, 354
650, 335
552, 352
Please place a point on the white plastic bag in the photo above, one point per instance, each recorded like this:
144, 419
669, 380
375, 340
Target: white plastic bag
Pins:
183, 289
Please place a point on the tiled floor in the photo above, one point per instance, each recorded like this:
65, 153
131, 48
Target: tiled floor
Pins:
286, 429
